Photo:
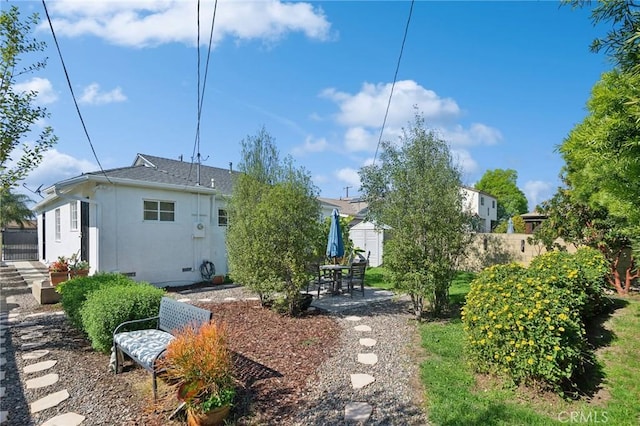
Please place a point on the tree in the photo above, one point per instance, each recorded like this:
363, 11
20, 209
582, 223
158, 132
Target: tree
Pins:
415, 190
519, 226
502, 185
274, 224
14, 208
18, 111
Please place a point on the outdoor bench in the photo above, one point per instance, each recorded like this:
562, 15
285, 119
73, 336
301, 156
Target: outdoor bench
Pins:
145, 347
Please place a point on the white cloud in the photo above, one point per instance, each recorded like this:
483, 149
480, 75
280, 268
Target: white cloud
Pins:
42, 86
93, 96
349, 176
476, 134
311, 145
462, 158
151, 23
537, 191
55, 167
367, 107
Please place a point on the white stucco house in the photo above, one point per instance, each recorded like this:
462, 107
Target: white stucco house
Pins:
156, 220
484, 205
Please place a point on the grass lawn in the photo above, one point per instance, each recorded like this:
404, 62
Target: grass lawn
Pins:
456, 396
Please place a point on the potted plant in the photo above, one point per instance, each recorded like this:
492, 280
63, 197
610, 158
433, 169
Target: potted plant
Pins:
199, 362
77, 267
59, 271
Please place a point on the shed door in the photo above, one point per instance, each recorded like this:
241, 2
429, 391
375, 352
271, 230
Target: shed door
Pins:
84, 231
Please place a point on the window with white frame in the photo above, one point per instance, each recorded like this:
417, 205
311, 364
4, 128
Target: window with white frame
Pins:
482, 201
162, 211
58, 232
222, 217
73, 213
493, 204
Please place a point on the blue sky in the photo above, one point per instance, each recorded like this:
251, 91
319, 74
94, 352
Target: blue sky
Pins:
502, 82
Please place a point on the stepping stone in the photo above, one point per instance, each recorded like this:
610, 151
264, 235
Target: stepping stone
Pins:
255, 298
353, 318
2, 392
230, 299
357, 412
362, 328
66, 419
35, 354
29, 336
40, 382
30, 345
366, 341
204, 300
3, 416
358, 381
39, 366
368, 359
49, 401
1, 376
3, 361
183, 300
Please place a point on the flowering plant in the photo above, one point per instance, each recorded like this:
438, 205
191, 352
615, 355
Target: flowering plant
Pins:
75, 264
60, 265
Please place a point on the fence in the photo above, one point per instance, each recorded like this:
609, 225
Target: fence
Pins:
20, 244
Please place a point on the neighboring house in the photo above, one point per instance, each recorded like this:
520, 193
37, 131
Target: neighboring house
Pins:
155, 221
532, 220
484, 205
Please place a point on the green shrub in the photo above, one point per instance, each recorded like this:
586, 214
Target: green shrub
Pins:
108, 307
73, 293
519, 324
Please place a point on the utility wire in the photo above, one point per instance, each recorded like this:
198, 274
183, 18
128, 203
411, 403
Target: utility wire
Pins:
75, 102
393, 85
196, 144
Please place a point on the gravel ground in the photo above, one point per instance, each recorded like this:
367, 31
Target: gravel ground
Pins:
107, 399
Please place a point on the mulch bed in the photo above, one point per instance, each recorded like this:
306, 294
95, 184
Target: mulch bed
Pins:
274, 357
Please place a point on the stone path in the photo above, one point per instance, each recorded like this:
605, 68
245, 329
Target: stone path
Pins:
360, 411
39, 372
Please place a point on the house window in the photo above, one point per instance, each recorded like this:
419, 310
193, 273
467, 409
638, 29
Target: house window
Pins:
74, 215
57, 225
222, 217
493, 204
163, 211
482, 201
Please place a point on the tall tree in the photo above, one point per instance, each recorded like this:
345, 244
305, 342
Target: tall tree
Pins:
502, 184
14, 208
415, 189
274, 224
18, 110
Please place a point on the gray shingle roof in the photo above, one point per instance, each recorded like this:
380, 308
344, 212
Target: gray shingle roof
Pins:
149, 168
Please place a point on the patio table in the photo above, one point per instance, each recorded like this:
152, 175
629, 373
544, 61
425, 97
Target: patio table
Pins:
336, 270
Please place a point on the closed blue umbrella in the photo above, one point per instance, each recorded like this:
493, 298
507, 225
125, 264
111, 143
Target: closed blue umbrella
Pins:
335, 245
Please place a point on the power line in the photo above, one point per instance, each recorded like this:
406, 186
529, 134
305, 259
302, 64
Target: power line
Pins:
196, 144
395, 77
75, 102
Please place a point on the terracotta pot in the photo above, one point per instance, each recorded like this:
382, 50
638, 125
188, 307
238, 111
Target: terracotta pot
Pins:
218, 279
79, 273
58, 277
211, 418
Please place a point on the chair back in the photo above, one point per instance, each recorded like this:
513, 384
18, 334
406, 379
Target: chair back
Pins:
176, 315
357, 271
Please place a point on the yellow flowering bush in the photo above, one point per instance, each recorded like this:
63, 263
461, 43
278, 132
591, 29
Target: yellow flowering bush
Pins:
519, 323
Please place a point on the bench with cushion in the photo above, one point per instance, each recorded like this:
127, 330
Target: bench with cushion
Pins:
145, 347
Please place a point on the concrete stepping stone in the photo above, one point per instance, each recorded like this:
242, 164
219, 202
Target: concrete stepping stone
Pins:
1, 376
204, 300
366, 341
353, 318
49, 401
184, 300
33, 335
3, 416
3, 361
35, 354
66, 419
230, 299
42, 381
358, 381
368, 359
39, 366
30, 345
362, 328
357, 412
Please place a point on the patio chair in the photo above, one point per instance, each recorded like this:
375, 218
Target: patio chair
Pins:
320, 278
355, 277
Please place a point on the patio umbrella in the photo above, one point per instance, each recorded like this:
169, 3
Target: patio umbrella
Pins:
510, 226
335, 245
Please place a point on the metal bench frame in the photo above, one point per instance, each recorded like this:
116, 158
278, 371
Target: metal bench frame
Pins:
172, 317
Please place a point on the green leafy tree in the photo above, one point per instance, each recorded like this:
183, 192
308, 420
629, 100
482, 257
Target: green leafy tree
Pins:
502, 184
14, 208
18, 112
274, 224
518, 225
415, 190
